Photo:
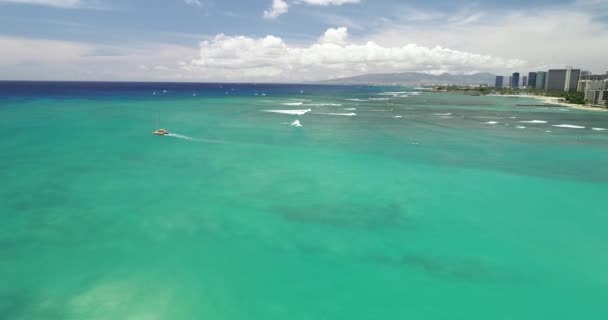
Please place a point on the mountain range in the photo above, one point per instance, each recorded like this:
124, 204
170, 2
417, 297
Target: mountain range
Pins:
416, 78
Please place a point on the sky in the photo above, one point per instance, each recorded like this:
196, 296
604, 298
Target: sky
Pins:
294, 40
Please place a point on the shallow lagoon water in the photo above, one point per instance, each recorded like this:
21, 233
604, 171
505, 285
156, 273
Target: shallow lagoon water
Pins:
425, 206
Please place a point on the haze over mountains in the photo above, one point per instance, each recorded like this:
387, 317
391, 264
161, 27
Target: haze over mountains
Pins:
416, 78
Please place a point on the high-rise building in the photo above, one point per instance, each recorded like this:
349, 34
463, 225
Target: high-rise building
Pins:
563, 79
499, 81
541, 78
524, 81
531, 80
595, 91
510, 83
515, 80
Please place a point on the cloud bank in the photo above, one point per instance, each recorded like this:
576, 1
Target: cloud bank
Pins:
333, 55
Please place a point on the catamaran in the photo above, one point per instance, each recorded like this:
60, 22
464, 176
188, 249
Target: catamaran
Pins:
159, 132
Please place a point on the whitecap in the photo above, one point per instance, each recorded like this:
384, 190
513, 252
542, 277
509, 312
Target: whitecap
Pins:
599, 129
290, 112
350, 109
339, 114
380, 99
534, 121
292, 103
548, 131
520, 127
357, 100
491, 122
443, 114
571, 126
390, 93
397, 117
296, 123
324, 104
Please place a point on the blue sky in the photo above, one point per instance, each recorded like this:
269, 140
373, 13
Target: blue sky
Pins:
294, 40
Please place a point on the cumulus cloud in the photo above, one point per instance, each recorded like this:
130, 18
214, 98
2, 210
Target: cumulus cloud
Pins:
278, 8
333, 55
52, 3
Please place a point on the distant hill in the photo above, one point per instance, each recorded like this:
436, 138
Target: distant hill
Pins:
416, 78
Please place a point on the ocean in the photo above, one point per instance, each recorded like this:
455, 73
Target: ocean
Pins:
276, 201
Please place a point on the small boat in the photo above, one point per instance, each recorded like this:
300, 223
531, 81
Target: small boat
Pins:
161, 132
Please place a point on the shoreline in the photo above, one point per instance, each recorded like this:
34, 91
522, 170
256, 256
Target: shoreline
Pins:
552, 100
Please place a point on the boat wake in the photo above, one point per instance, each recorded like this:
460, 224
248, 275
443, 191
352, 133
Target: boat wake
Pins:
179, 136
184, 137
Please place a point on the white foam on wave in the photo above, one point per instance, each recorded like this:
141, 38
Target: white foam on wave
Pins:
324, 104
534, 121
295, 99
520, 127
512, 117
416, 93
350, 109
403, 96
599, 129
296, 123
292, 103
571, 126
380, 99
339, 114
357, 100
443, 114
290, 112
391, 93
548, 131
491, 122
397, 117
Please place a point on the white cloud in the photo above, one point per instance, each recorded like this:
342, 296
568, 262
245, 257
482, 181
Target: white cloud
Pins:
68, 4
329, 2
194, 3
545, 38
278, 8
334, 55
37, 59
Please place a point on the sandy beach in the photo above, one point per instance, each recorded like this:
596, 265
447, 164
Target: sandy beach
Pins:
554, 101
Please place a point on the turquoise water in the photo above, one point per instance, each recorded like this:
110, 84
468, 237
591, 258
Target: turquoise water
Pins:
438, 214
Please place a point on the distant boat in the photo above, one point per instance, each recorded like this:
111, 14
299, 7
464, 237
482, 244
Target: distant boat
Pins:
159, 132
154, 93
